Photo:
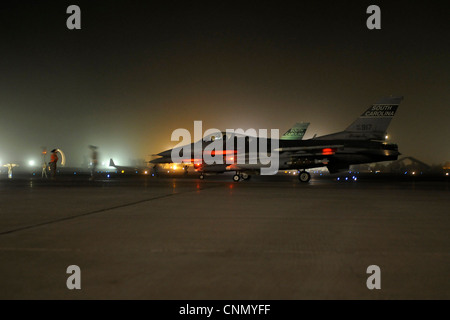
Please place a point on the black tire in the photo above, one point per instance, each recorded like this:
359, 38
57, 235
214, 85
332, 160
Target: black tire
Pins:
245, 176
236, 178
201, 177
304, 177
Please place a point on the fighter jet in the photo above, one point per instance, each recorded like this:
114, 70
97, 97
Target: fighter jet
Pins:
363, 141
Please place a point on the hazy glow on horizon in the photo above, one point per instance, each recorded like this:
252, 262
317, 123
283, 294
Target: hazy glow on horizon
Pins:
135, 73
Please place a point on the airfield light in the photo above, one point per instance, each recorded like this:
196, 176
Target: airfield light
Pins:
123, 171
386, 137
145, 172
31, 163
446, 174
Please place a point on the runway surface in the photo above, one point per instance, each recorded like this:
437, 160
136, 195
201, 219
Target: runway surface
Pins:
182, 238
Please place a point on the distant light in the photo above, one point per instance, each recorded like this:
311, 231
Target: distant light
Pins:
386, 137
446, 174
153, 174
414, 172
406, 172
123, 171
31, 162
145, 172
346, 178
338, 179
136, 172
356, 179
168, 171
107, 175
74, 173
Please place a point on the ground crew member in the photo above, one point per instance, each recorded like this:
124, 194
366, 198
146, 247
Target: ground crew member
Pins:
52, 163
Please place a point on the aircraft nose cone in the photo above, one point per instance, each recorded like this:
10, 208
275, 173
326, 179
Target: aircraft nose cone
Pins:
166, 153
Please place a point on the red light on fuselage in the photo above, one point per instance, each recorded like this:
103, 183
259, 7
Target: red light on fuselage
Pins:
221, 152
185, 161
328, 151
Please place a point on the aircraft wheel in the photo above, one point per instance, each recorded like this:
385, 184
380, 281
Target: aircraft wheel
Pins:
236, 178
201, 177
245, 176
304, 176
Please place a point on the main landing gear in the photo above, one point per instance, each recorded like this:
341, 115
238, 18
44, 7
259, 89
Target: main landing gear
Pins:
304, 176
238, 176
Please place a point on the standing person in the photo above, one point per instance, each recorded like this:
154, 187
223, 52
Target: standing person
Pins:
53, 160
94, 158
44, 164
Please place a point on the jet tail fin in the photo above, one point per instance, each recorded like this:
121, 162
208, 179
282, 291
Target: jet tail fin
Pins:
296, 132
377, 118
372, 124
111, 163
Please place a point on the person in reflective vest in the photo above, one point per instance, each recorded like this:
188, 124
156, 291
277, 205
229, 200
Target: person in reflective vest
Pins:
52, 163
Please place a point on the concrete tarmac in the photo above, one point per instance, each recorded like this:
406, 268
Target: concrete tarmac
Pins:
182, 238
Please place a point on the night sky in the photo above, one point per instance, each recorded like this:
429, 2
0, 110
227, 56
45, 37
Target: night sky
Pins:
138, 70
